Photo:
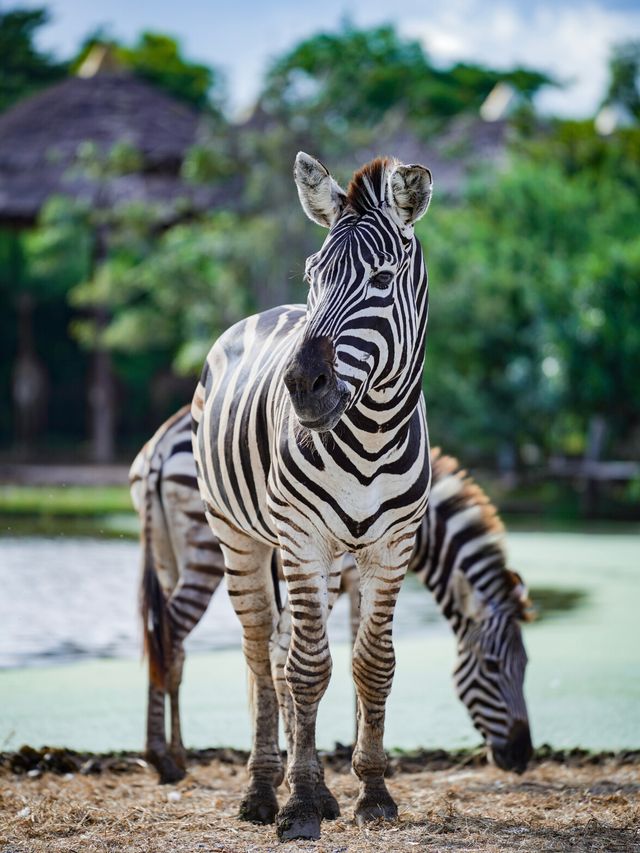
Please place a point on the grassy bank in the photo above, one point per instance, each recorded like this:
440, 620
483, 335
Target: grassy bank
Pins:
98, 511
107, 511
74, 501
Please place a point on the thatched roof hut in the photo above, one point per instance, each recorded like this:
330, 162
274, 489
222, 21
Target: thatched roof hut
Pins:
41, 135
40, 139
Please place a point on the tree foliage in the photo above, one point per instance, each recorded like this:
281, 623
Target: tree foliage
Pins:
157, 57
358, 75
535, 308
624, 73
24, 68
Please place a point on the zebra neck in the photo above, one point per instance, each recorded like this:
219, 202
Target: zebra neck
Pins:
386, 410
470, 550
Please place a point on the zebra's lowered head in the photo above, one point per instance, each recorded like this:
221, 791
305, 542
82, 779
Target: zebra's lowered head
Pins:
490, 670
367, 305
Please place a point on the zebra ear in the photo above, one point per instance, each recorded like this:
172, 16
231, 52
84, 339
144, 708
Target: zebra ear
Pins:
322, 199
467, 600
410, 192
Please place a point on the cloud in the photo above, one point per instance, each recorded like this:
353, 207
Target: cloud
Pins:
570, 42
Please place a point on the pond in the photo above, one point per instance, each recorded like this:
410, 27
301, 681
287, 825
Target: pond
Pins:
71, 673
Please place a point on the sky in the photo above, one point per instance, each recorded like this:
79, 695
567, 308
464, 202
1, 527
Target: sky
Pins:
569, 39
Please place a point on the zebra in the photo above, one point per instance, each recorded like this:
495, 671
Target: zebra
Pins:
465, 553
182, 566
310, 435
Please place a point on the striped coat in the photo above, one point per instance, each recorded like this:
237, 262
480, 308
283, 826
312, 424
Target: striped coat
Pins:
180, 550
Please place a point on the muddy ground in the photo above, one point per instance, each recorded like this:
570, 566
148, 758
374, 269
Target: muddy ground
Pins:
54, 801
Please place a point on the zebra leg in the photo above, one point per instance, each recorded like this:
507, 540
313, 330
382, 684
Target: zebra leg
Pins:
307, 672
280, 643
350, 583
156, 751
250, 587
373, 663
201, 570
176, 749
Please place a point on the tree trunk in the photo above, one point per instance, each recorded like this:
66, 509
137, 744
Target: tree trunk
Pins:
102, 392
102, 404
593, 453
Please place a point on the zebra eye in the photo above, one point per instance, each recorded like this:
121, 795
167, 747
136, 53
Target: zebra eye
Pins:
382, 279
492, 665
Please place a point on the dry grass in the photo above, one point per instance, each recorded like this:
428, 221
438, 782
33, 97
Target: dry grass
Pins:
553, 807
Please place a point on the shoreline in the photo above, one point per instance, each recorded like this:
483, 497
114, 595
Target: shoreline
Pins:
61, 760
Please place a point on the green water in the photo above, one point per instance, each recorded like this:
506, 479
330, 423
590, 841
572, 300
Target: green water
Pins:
583, 680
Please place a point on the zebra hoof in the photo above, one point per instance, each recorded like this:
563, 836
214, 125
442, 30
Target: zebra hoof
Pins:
298, 819
375, 805
327, 803
169, 771
259, 805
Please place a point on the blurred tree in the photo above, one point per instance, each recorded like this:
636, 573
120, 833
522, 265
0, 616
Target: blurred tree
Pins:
24, 68
624, 73
358, 75
157, 57
534, 324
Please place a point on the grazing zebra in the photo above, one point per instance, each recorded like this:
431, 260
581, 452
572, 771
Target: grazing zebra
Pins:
460, 557
463, 564
310, 434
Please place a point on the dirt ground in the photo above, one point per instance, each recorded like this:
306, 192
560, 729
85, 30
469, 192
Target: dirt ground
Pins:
575, 804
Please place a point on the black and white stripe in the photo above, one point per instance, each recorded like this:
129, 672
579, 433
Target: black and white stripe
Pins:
310, 434
459, 556
181, 568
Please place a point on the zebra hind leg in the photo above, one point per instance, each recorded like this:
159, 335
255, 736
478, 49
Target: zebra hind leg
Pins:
156, 751
176, 750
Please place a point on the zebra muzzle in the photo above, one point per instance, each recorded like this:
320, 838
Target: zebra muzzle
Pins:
318, 397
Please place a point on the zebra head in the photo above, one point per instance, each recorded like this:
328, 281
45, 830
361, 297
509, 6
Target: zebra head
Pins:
489, 673
367, 304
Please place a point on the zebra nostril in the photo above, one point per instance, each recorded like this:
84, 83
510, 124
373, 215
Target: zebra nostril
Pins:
320, 383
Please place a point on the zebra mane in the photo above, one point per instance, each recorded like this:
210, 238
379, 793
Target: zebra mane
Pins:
467, 494
368, 186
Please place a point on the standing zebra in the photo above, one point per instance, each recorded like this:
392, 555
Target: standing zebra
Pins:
459, 556
310, 434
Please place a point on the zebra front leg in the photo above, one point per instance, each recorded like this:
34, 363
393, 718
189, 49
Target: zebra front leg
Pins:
280, 643
373, 663
250, 586
307, 672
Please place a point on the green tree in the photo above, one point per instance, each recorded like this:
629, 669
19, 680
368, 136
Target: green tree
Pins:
535, 294
624, 74
358, 75
24, 68
157, 57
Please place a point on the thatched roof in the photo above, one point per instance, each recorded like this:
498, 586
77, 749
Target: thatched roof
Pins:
40, 136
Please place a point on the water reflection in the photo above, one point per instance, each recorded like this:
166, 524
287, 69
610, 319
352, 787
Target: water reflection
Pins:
552, 601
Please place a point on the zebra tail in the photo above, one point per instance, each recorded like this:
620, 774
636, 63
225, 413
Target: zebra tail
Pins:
156, 625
